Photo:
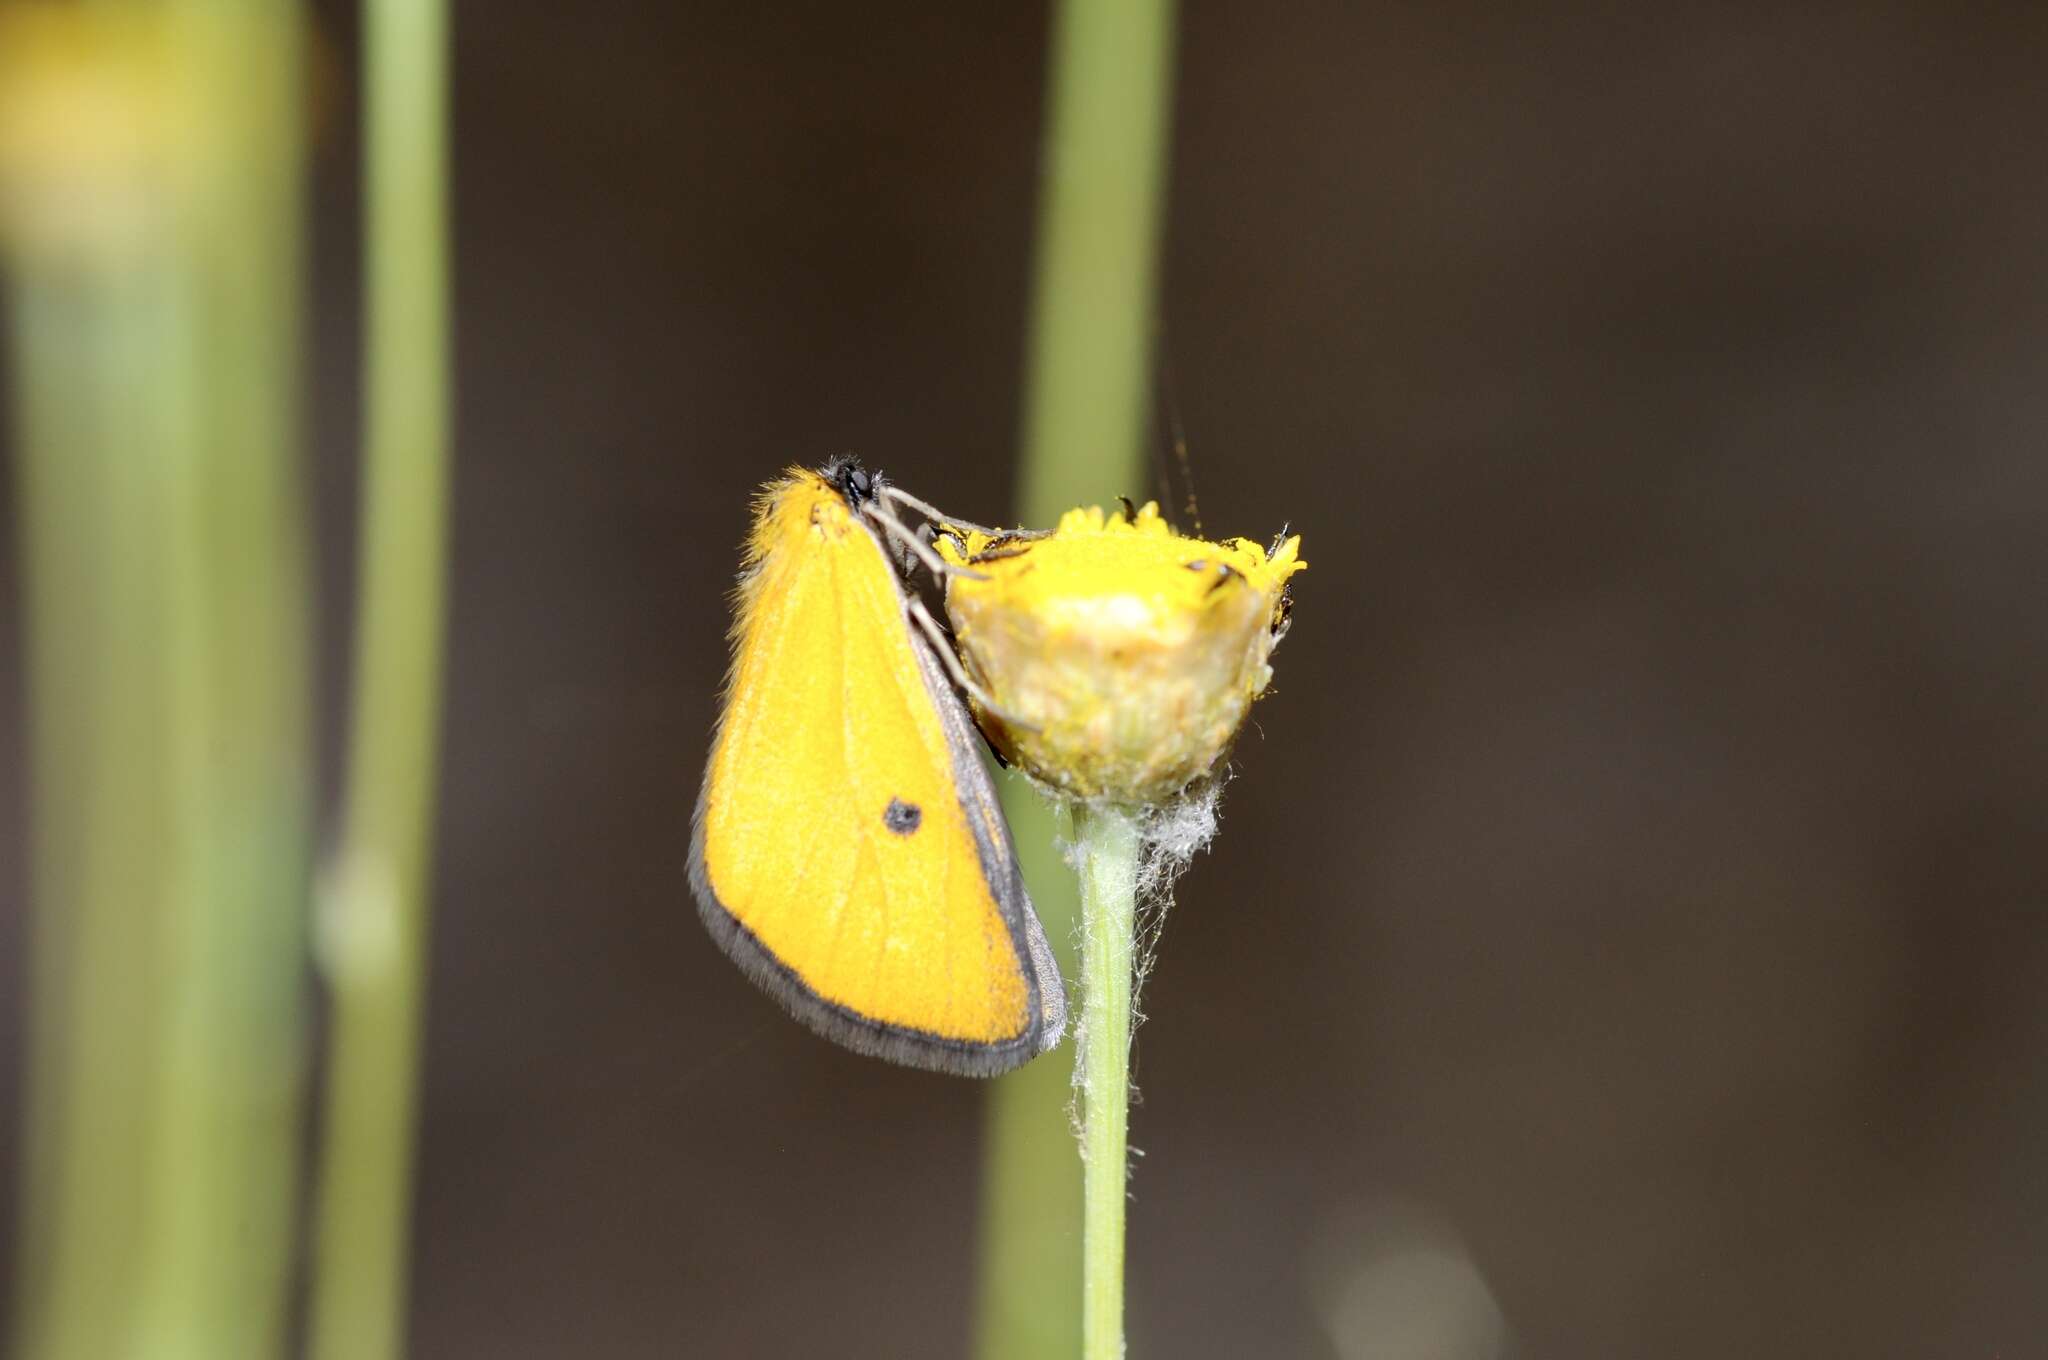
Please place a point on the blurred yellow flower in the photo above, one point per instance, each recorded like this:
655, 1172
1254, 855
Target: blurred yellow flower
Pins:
1120, 656
94, 126
119, 123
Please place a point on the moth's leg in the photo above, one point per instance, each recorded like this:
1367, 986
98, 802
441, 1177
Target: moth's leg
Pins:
943, 646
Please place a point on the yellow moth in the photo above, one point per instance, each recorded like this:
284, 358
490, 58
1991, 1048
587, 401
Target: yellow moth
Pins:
848, 851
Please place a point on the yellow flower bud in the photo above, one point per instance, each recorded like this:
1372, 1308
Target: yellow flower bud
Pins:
1120, 657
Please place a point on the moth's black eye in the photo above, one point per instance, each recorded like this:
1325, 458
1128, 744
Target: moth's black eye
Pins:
850, 479
901, 817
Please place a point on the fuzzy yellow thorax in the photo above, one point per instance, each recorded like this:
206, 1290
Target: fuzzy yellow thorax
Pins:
1121, 656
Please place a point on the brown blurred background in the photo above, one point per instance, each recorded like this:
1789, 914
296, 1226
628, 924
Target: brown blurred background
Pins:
1627, 920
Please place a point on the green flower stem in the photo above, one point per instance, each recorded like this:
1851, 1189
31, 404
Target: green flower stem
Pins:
1107, 840
1088, 372
374, 923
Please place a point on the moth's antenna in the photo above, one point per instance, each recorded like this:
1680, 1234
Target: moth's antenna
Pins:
933, 513
1179, 436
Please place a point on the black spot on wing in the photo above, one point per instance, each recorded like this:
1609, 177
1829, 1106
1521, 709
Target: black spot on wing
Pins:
901, 817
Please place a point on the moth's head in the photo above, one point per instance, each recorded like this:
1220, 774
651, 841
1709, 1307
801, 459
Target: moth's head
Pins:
854, 483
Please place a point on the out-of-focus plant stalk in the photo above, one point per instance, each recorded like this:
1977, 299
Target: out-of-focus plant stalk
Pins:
1089, 371
1098, 246
150, 215
373, 925
1030, 1288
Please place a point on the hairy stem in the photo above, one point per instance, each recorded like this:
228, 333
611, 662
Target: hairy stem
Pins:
1107, 840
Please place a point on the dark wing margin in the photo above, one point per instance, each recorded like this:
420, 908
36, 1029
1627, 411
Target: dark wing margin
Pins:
1046, 1002
998, 854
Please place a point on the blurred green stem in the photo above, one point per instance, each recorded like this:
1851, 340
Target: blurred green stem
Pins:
1030, 1290
1098, 242
1088, 375
157, 362
373, 926
1107, 839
